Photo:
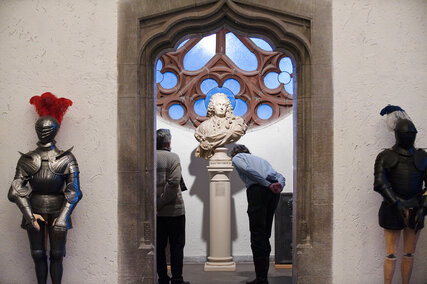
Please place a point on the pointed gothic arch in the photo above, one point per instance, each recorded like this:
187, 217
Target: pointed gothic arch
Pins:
142, 38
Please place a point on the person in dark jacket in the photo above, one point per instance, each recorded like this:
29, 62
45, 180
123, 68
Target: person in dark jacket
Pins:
170, 210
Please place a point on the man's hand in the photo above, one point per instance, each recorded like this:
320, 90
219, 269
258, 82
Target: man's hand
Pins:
36, 223
276, 187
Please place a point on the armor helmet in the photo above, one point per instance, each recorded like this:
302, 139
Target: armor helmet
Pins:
46, 128
51, 111
405, 133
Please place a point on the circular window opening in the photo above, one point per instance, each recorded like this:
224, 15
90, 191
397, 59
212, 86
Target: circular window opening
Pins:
264, 111
176, 111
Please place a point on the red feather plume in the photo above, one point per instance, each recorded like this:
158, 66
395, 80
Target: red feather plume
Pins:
49, 104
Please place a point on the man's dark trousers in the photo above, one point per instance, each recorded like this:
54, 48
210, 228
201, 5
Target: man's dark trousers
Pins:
170, 229
262, 203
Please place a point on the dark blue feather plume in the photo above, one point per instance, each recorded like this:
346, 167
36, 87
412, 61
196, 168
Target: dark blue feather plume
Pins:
390, 108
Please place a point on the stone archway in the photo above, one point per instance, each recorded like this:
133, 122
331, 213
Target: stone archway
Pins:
142, 37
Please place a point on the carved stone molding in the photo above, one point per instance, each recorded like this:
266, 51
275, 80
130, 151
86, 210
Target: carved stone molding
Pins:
304, 36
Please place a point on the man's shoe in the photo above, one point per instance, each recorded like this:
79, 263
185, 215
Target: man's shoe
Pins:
258, 281
164, 281
261, 270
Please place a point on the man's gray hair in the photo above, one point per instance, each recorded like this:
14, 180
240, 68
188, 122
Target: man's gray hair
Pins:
163, 138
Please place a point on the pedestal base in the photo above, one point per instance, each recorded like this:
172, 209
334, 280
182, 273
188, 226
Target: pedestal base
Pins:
220, 168
220, 264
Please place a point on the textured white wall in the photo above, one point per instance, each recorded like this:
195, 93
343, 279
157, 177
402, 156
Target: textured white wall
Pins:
69, 48
262, 142
379, 58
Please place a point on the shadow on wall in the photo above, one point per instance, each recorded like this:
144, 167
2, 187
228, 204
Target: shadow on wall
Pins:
200, 188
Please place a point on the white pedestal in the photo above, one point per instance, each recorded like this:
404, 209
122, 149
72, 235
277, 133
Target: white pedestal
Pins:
219, 169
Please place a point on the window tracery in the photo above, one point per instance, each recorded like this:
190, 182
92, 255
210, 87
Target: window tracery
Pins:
258, 80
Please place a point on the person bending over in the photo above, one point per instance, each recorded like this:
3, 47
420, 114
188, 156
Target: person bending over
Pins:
264, 185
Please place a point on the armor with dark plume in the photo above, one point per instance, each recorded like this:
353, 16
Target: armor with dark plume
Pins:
401, 178
46, 188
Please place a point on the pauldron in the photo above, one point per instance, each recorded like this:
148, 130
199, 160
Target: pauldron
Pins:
391, 158
60, 164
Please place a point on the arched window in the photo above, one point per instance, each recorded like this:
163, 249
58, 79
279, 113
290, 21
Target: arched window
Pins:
258, 80
305, 30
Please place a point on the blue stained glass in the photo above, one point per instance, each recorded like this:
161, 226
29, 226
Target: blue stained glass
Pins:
159, 65
284, 78
241, 107
200, 54
271, 80
207, 85
182, 44
200, 107
285, 64
264, 111
159, 77
169, 80
239, 53
176, 111
233, 85
262, 44
290, 87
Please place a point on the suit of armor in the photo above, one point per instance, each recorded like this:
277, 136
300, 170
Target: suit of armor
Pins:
400, 173
46, 189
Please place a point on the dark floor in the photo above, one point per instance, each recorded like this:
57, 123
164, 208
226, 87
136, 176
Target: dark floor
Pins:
195, 274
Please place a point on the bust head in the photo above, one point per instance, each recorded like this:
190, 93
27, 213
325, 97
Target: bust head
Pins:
219, 105
222, 126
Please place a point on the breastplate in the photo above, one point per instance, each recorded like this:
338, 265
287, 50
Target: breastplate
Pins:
406, 180
46, 170
45, 181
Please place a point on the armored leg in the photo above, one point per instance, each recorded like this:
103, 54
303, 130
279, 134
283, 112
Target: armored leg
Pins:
409, 244
57, 253
38, 252
391, 241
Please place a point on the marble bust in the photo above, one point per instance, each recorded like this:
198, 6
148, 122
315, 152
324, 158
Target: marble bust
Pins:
222, 127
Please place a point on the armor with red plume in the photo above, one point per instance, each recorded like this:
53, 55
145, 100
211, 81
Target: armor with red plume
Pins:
46, 189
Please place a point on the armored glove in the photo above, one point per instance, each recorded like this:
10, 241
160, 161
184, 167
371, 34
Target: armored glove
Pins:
419, 217
391, 198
